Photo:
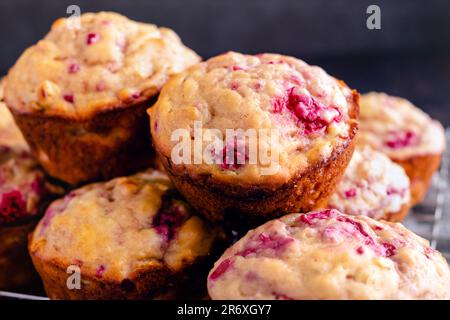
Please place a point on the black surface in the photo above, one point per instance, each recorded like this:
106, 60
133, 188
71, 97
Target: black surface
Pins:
409, 56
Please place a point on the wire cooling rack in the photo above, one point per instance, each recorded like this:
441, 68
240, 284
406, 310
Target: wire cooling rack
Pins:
430, 219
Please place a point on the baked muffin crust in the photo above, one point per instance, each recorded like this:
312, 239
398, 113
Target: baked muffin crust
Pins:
330, 255
406, 134
126, 230
309, 111
129, 217
109, 62
399, 129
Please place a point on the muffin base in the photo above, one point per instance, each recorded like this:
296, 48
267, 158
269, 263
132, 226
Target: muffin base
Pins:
110, 144
239, 205
420, 170
157, 282
16, 269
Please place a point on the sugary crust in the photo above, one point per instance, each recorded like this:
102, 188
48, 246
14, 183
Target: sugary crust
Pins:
95, 63
239, 205
330, 255
16, 269
156, 282
110, 144
420, 170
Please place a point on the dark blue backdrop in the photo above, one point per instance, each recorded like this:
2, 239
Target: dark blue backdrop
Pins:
409, 56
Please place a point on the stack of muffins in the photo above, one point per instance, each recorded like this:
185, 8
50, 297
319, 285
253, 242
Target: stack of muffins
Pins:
137, 223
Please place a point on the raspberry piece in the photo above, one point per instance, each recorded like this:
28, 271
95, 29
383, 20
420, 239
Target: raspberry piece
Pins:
279, 105
350, 193
384, 249
221, 269
266, 242
359, 228
389, 249
401, 139
92, 38
100, 271
280, 296
170, 216
322, 215
236, 68
69, 98
311, 113
135, 95
393, 191
73, 68
12, 206
233, 156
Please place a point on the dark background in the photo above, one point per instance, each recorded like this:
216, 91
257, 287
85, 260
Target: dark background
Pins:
409, 56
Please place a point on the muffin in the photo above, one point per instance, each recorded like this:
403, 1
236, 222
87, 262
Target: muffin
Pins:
406, 134
22, 192
330, 255
270, 135
131, 237
373, 186
80, 94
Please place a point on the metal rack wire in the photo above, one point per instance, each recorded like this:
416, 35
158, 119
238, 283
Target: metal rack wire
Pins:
430, 219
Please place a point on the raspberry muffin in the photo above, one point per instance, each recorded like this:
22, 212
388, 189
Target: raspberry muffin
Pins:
330, 255
80, 94
23, 191
131, 238
373, 186
406, 134
270, 134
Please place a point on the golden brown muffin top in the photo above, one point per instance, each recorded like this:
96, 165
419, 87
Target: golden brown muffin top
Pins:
117, 228
108, 62
329, 255
304, 109
398, 128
